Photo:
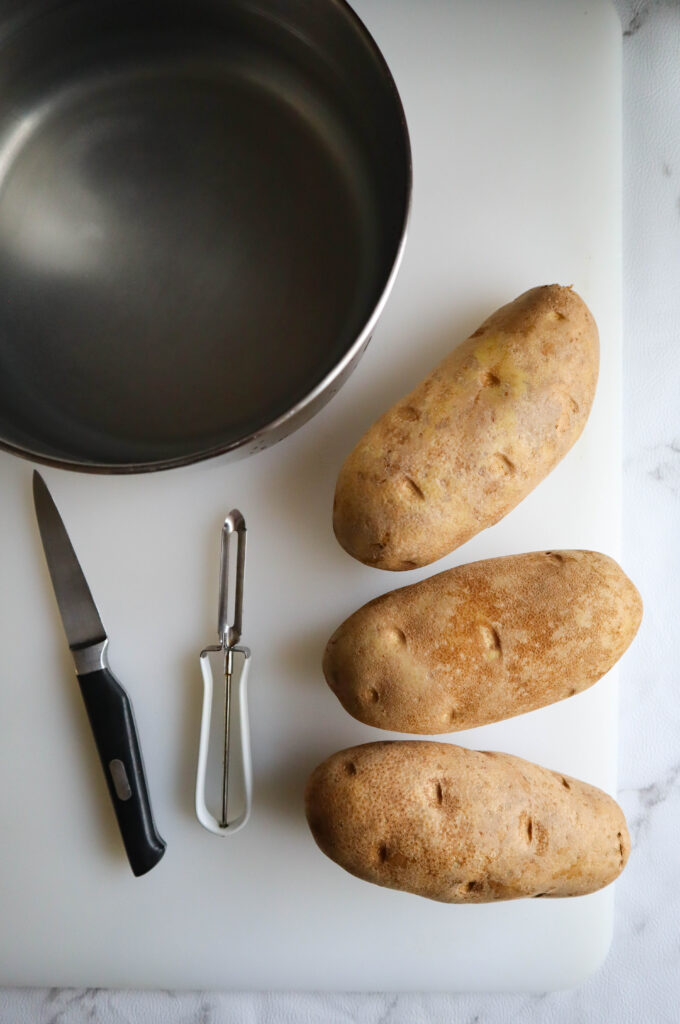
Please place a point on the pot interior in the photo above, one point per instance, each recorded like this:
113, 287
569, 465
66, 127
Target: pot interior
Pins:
199, 212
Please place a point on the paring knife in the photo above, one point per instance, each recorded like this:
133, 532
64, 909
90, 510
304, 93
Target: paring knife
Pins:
108, 705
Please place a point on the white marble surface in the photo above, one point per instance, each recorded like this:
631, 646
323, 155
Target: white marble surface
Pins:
640, 981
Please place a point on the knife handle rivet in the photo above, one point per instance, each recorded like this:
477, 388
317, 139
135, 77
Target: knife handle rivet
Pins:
120, 779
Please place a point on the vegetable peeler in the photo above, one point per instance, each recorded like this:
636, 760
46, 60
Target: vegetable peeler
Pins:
230, 661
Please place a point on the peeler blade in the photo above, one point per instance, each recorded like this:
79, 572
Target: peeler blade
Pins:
228, 631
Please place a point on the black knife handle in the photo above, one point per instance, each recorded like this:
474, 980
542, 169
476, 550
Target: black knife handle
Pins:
115, 733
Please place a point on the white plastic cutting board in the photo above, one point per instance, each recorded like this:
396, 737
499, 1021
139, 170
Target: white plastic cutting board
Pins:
514, 111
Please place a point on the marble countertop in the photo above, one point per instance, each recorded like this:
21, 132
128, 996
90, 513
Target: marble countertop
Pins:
640, 980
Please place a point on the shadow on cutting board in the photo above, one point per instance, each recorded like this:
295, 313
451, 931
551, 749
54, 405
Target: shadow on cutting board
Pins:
191, 704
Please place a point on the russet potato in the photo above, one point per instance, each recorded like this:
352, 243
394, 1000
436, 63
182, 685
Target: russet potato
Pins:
475, 437
484, 641
463, 826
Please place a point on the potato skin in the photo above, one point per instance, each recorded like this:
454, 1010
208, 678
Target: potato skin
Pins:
484, 641
475, 437
463, 826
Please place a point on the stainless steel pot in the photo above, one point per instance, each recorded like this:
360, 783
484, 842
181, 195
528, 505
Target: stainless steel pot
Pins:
202, 208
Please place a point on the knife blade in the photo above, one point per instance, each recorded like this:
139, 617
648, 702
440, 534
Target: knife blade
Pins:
107, 704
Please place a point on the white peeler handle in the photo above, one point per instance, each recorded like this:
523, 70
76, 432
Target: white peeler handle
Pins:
241, 776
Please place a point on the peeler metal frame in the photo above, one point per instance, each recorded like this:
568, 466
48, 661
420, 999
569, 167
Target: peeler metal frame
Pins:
236, 663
